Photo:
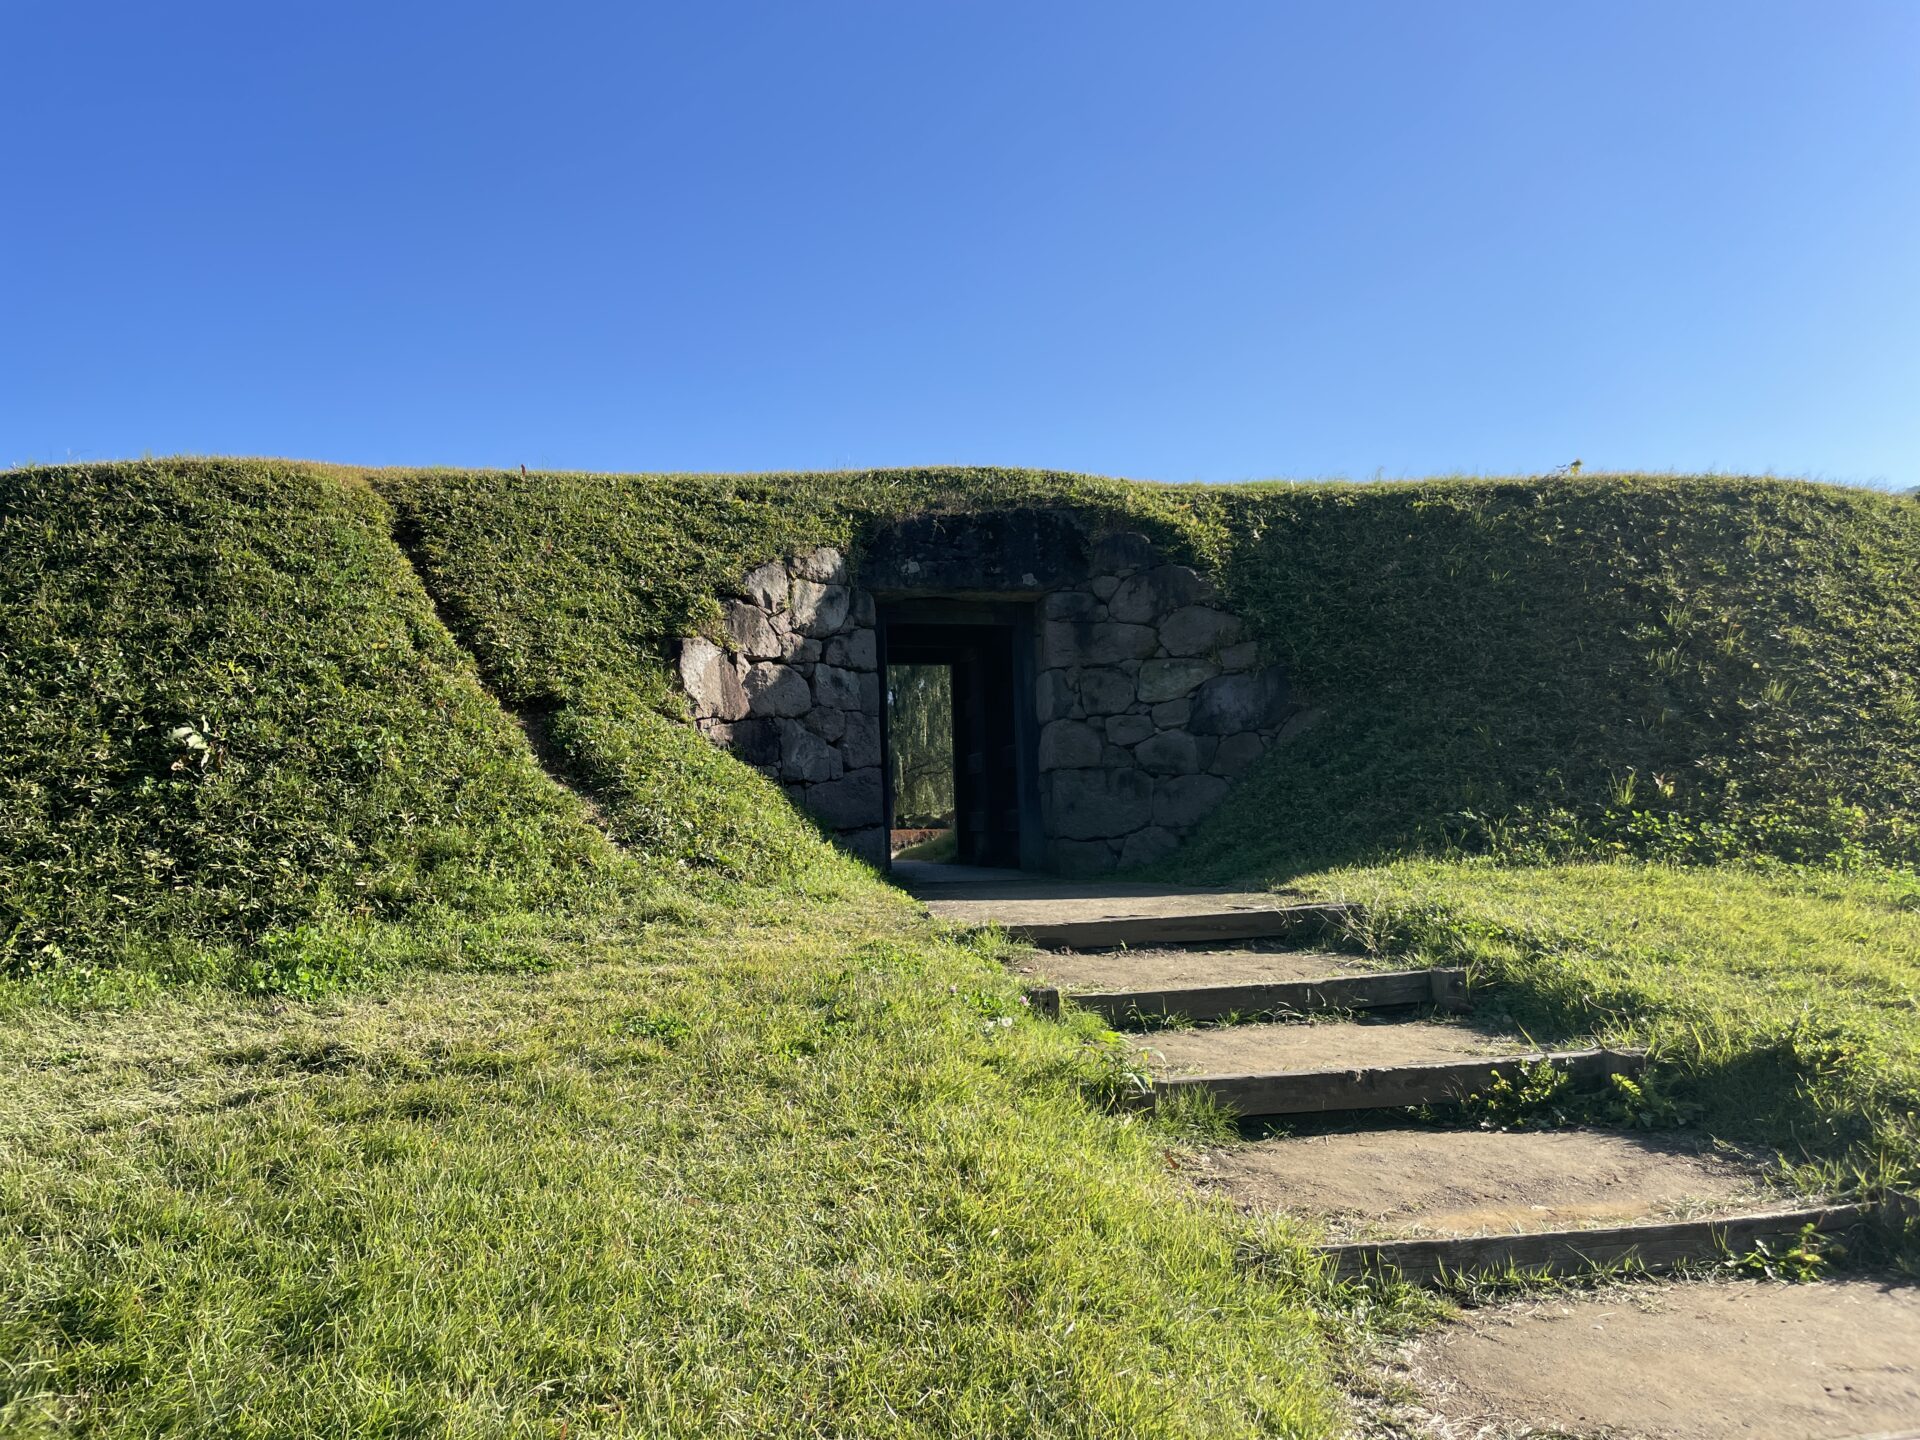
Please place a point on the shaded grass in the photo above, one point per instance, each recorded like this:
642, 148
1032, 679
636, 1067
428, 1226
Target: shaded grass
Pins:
806, 1169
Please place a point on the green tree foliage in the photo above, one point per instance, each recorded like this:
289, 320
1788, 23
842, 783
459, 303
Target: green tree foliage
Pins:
920, 740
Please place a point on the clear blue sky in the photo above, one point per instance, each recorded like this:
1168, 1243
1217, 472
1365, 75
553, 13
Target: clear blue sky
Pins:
1173, 241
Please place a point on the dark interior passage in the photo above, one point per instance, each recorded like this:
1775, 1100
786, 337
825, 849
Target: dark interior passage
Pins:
987, 652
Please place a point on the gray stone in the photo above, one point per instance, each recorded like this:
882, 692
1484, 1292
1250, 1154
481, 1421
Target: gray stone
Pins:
1183, 800
1163, 680
1125, 551
1083, 857
1069, 744
766, 586
1152, 593
1096, 804
850, 803
1198, 630
1236, 753
855, 650
1173, 714
1072, 605
752, 631
712, 681
870, 694
1172, 752
861, 745
1095, 642
1105, 692
826, 722
776, 689
799, 650
1119, 756
753, 742
864, 612
1234, 703
836, 687
1053, 695
825, 566
805, 756
869, 844
1143, 847
1243, 656
1103, 586
1128, 729
820, 609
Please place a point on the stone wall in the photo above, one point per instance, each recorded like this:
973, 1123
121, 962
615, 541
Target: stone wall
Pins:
1150, 698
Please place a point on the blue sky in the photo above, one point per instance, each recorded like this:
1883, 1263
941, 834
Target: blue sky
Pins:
1178, 242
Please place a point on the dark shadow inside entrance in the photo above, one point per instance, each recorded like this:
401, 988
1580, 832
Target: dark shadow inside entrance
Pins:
984, 652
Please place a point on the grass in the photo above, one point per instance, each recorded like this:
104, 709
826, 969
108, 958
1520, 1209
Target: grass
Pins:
800, 1168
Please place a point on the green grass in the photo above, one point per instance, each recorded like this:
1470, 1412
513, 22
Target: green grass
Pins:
800, 1168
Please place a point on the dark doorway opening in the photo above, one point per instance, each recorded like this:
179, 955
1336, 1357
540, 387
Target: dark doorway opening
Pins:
984, 653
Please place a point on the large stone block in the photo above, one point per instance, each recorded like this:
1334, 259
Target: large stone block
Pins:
1243, 656
1181, 801
825, 566
854, 650
1233, 703
1128, 729
869, 844
827, 723
1099, 804
1124, 551
850, 803
766, 586
805, 756
1083, 857
1164, 680
753, 631
753, 742
1072, 605
1095, 642
1068, 745
1236, 753
1172, 714
836, 687
1198, 630
1106, 692
1173, 752
820, 609
1055, 695
1143, 847
776, 689
712, 681
1144, 598
860, 746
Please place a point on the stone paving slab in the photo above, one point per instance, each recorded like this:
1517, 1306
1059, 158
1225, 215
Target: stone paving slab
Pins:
1285, 1048
1173, 969
1704, 1360
1375, 1184
1028, 901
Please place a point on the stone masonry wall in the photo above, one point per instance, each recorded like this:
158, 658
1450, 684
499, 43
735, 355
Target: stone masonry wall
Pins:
1150, 699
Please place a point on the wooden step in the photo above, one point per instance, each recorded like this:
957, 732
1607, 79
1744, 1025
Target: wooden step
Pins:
1388, 1087
1565, 1252
1443, 989
1251, 922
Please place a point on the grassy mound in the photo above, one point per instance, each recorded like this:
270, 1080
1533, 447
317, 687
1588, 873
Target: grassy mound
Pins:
228, 715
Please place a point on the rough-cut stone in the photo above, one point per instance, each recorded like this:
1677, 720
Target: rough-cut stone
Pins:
1083, 857
1173, 714
1071, 605
1096, 804
1183, 800
1096, 642
1105, 692
755, 742
826, 566
805, 756
776, 689
711, 680
1069, 744
820, 609
1103, 586
1243, 656
1172, 752
752, 631
1054, 695
855, 650
799, 650
850, 803
1147, 596
1163, 680
826, 722
869, 844
870, 693
836, 687
1009, 552
1233, 703
1125, 551
1128, 729
1236, 753
1143, 847
1198, 630
864, 612
861, 745
766, 586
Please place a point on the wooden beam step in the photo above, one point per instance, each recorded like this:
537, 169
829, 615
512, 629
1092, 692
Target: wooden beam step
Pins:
1443, 989
1568, 1252
1110, 932
1394, 1087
